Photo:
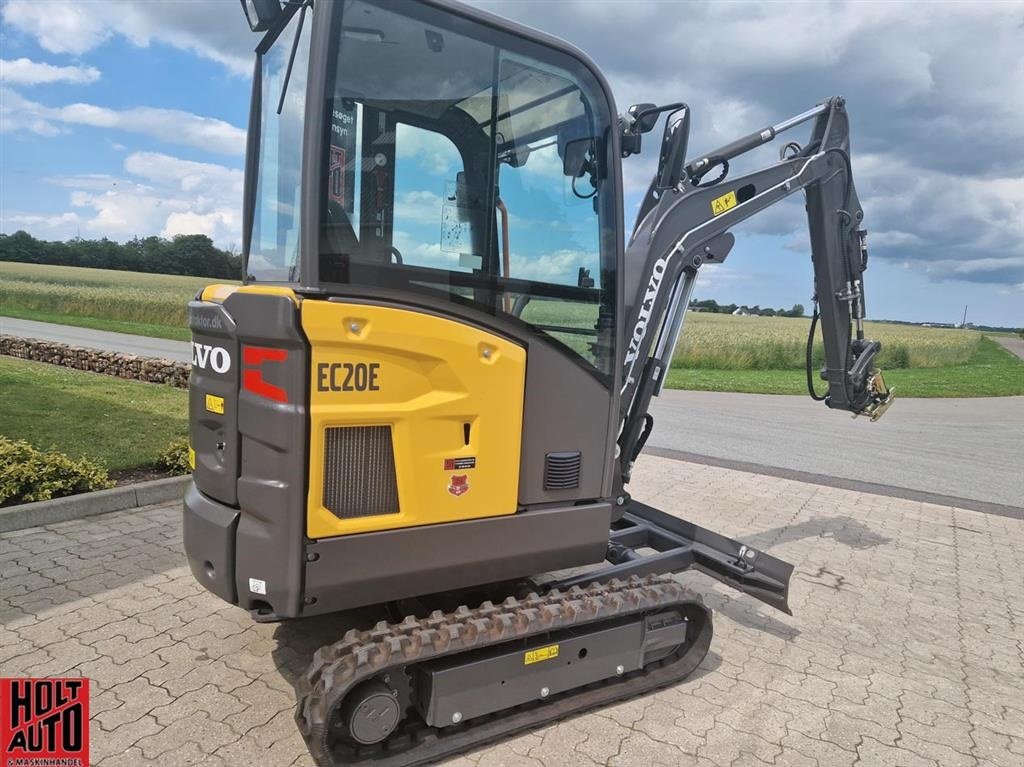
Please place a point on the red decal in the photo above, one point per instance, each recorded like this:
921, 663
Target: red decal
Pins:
252, 379
459, 485
44, 721
257, 355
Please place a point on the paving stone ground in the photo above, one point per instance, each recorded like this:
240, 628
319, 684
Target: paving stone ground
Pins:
906, 646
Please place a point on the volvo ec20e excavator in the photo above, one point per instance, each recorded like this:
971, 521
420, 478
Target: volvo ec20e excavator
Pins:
431, 387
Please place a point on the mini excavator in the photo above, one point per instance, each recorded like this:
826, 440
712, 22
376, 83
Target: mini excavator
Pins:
429, 391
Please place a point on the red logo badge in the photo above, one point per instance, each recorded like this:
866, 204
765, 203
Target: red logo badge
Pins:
44, 721
459, 485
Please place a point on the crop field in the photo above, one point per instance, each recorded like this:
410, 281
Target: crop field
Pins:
717, 352
725, 342
129, 302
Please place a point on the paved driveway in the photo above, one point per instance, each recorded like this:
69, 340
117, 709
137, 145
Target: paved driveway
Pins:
906, 647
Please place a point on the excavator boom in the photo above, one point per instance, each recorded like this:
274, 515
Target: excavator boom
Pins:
684, 223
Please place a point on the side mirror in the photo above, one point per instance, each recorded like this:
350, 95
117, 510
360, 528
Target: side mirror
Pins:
576, 157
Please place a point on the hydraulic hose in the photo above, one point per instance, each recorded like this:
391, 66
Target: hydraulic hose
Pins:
810, 351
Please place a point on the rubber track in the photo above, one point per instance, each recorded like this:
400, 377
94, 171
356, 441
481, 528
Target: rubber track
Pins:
389, 648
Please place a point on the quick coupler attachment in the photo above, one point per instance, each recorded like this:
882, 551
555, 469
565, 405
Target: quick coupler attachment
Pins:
880, 397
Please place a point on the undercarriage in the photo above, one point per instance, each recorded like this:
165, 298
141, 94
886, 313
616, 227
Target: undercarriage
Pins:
434, 685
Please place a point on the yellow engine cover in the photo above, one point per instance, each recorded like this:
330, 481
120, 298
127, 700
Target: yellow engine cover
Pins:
451, 394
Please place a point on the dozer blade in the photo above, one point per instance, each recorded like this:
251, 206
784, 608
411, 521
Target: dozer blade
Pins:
418, 691
682, 545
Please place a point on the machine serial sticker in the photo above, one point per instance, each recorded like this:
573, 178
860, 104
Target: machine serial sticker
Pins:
458, 464
720, 205
191, 458
215, 404
540, 654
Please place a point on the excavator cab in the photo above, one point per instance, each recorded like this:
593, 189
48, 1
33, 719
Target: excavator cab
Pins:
435, 377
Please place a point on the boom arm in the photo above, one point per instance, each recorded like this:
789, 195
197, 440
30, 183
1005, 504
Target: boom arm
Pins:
684, 223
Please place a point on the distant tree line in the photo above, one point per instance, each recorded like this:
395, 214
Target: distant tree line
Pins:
710, 305
190, 254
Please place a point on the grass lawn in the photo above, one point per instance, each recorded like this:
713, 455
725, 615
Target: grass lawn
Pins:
124, 424
990, 372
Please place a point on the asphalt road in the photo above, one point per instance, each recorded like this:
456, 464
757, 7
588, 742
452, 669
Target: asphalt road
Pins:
1012, 345
97, 339
964, 448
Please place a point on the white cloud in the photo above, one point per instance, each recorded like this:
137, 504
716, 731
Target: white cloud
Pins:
215, 224
419, 253
419, 206
18, 114
59, 27
189, 176
171, 125
159, 194
434, 153
60, 225
213, 30
560, 266
27, 72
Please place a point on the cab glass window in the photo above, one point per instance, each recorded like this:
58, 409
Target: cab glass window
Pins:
274, 242
469, 165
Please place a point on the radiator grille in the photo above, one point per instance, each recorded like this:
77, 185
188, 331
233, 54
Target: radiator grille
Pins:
359, 472
562, 471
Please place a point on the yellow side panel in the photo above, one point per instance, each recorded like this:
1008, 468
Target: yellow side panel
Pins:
426, 378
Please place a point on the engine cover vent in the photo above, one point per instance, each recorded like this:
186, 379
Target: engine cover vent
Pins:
562, 470
359, 471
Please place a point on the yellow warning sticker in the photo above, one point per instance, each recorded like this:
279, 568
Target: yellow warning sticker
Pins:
721, 204
542, 653
215, 404
191, 458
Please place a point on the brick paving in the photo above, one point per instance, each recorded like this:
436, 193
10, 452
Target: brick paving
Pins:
906, 647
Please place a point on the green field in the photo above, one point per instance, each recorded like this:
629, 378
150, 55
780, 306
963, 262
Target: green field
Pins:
123, 424
105, 299
991, 371
717, 352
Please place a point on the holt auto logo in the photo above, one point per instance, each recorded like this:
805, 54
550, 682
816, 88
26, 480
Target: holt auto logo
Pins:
459, 484
44, 722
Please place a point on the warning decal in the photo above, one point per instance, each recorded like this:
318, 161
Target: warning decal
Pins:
540, 654
720, 205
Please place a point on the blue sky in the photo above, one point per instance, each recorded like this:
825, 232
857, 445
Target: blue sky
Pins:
127, 118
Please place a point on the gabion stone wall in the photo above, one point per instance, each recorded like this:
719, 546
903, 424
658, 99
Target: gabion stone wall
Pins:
130, 366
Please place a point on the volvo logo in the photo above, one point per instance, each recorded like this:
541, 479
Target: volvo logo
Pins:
213, 357
643, 317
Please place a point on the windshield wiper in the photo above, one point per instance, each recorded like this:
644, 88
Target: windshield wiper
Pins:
291, 55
